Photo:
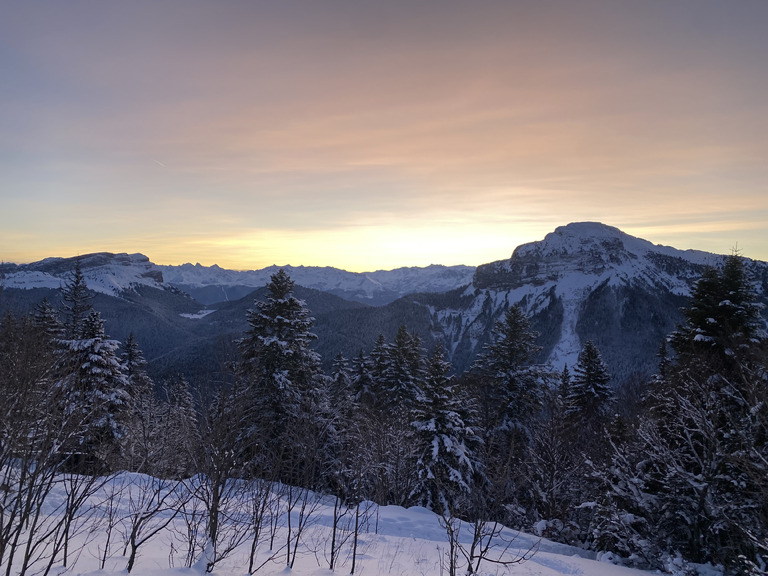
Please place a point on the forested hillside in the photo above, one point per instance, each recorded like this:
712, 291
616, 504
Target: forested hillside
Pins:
672, 465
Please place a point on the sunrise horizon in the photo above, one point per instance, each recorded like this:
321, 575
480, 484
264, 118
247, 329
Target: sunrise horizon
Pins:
157, 256
378, 135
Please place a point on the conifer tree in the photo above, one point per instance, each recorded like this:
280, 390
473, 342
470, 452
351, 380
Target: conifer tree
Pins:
693, 481
341, 380
396, 375
554, 466
401, 379
510, 389
513, 385
95, 388
564, 388
282, 378
448, 460
143, 406
362, 388
76, 303
589, 394
46, 317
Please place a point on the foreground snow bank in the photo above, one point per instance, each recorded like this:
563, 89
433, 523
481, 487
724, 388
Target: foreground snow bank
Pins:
391, 539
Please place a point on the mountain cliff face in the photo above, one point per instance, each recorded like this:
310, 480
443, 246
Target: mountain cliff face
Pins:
116, 274
584, 281
104, 272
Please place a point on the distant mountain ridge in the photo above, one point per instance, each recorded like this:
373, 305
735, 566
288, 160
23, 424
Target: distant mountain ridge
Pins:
116, 273
584, 281
212, 284
104, 272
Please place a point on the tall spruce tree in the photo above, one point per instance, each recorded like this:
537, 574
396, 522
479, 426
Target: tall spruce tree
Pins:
589, 394
694, 480
512, 383
76, 303
283, 379
141, 415
401, 380
395, 374
449, 459
95, 387
509, 390
46, 317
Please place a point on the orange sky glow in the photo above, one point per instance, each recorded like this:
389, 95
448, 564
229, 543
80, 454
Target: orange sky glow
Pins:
372, 135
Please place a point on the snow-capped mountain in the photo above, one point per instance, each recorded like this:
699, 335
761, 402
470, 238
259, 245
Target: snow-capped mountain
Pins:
105, 273
584, 281
114, 274
212, 284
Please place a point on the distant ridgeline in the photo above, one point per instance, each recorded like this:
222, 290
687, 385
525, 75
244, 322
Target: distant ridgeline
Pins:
583, 282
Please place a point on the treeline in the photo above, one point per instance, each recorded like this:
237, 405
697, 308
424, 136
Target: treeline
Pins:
683, 472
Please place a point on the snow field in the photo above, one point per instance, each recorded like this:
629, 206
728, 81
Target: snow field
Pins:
392, 540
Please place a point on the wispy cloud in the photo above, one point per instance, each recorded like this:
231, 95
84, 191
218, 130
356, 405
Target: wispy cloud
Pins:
436, 131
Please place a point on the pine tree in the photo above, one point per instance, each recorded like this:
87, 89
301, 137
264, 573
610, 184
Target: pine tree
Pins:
554, 467
396, 375
282, 379
341, 380
563, 390
134, 367
76, 303
694, 479
46, 317
513, 385
400, 381
448, 460
142, 414
94, 386
362, 388
723, 319
509, 391
590, 394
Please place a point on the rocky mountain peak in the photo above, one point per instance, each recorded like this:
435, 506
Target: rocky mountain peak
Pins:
103, 272
587, 248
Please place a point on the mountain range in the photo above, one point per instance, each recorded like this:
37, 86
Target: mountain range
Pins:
584, 281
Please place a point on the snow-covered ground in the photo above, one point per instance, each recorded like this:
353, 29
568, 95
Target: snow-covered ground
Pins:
392, 540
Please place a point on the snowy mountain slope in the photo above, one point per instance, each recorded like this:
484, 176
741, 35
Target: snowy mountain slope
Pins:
115, 273
212, 284
104, 272
584, 281
392, 540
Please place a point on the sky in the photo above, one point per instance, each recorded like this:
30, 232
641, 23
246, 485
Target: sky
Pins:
369, 135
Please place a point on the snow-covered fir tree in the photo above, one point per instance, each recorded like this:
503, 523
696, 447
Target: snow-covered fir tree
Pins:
589, 394
94, 388
282, 379
693, 479
47, 317
76, 303
341, 380
449, 448
362, 381
399, 384
554, 466
509, 388
142, 414
512, 383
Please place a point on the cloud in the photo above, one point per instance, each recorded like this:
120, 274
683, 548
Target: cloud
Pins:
432, 119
